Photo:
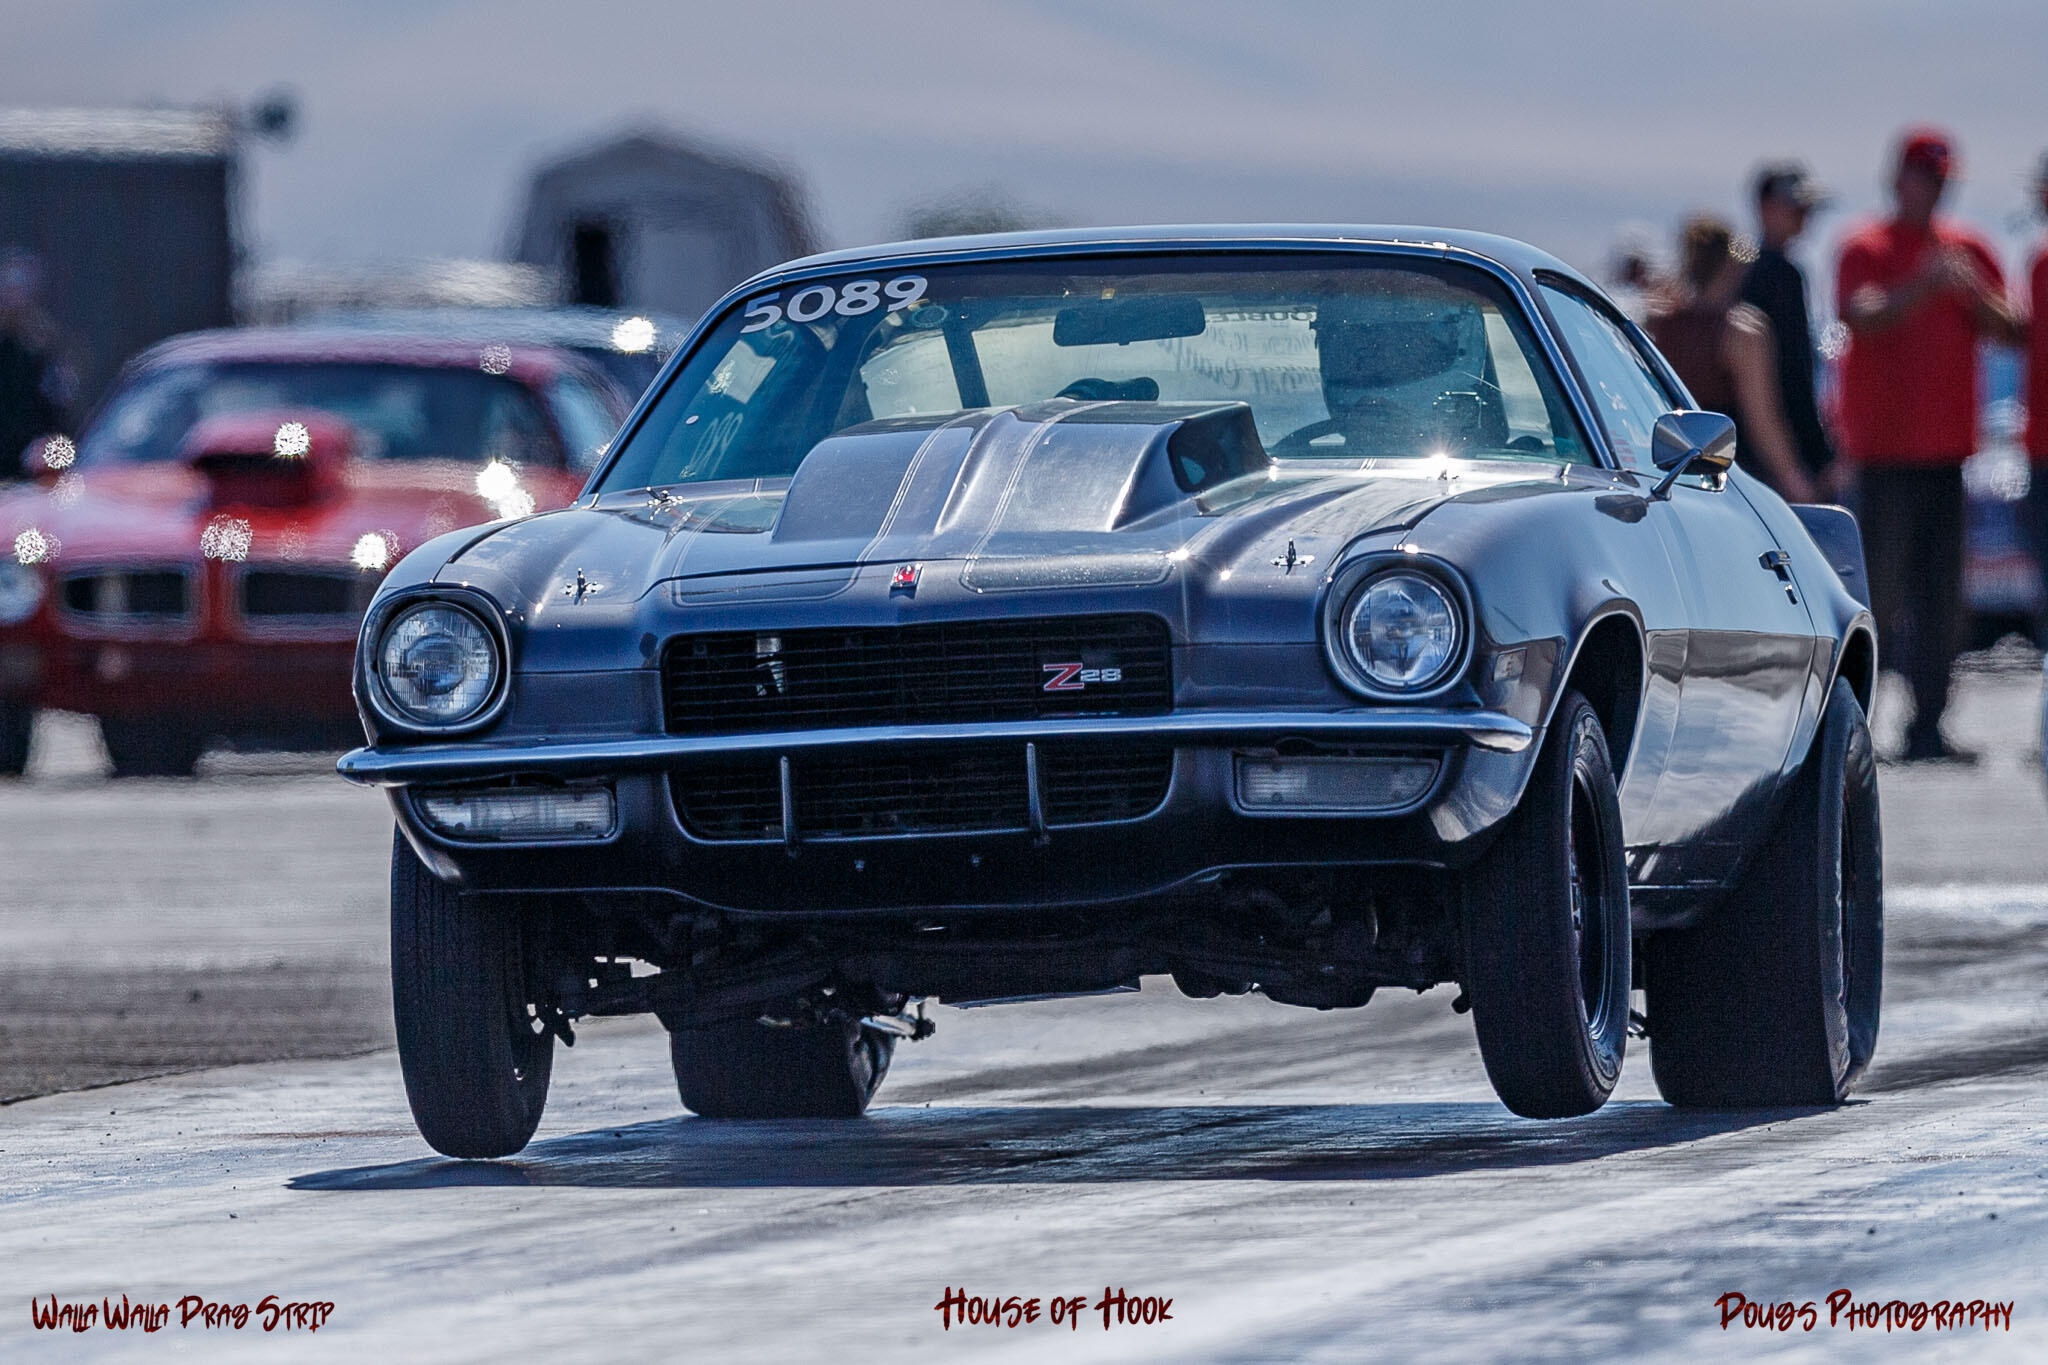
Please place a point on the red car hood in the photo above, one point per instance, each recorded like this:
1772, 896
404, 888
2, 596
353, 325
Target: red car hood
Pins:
160, 512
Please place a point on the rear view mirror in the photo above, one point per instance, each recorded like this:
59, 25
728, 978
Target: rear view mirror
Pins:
1102, 322
1691, 443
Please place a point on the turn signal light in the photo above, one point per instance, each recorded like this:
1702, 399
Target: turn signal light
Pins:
519, 814
1336, 784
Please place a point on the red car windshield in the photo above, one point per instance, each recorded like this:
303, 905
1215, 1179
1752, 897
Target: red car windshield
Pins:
399, 412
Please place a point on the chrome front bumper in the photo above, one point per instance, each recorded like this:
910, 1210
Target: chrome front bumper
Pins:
481, 760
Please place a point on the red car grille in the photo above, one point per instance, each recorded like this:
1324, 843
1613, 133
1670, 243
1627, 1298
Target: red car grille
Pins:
302, 594
154, 595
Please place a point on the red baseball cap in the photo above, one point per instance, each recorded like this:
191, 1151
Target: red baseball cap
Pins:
1928, 149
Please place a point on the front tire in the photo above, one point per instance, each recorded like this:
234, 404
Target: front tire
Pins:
151, 747
1547, 931
475, 1058
1772, 999
751, 1070
17, 731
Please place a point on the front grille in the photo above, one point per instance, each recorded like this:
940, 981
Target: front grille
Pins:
1087, 785
306, 593
881, 793
954, 671
128, 594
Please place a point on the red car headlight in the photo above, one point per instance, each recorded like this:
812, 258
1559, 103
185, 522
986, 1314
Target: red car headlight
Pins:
21, 592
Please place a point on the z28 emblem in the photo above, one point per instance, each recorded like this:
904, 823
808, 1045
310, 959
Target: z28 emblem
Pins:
1076, 677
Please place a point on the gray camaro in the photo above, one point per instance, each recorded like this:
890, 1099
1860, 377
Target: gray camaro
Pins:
1300, 610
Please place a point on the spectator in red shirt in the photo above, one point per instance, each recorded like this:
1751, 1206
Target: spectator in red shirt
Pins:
1917, 293
2037, 398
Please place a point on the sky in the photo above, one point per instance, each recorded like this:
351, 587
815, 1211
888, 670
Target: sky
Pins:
1556, 121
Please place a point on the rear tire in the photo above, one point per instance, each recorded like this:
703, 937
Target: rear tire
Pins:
750, 1070
17, 730
1547, 931
475, 1059
1772, 999
151, 747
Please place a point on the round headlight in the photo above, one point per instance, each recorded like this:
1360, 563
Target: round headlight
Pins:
438, 664
21, 592
1401, 631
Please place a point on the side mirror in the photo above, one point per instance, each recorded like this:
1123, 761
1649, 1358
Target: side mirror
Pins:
1691, 443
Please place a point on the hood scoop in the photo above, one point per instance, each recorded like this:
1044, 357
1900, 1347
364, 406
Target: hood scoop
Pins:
269, 459
1013, 481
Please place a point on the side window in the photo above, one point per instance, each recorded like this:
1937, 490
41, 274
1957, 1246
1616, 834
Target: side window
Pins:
1625, 392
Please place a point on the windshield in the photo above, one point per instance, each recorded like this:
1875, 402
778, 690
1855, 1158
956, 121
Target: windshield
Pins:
1340, 357
398, 412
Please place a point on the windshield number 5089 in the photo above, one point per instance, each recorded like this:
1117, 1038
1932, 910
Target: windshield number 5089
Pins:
848, 300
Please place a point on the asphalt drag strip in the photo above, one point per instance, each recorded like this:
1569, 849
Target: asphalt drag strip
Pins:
1300, 1185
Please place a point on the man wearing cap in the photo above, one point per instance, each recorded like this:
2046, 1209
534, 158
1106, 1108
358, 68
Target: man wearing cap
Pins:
1917, 293
1786, 197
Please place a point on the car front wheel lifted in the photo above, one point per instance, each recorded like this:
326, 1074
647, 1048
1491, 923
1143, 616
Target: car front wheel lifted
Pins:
475, 1056
1546, 924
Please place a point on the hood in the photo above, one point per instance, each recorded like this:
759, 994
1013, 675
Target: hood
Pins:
178, 511
1051, 495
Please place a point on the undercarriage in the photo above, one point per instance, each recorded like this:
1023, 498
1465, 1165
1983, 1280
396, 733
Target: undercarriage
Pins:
1314, 939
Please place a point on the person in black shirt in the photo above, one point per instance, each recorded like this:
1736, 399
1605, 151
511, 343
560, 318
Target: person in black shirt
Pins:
1785, 198
34, 383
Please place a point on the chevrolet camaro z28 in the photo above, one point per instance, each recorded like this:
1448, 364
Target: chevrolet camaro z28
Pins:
1307, 611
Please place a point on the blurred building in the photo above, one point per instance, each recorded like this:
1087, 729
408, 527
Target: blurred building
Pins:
655, 222
129, 215
284, 291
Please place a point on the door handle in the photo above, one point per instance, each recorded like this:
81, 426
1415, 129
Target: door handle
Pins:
1779, 563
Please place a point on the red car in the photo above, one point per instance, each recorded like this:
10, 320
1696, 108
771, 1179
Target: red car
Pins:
195, 565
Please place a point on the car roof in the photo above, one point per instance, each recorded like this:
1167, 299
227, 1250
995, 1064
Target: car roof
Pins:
528, 363
1517, 256
577, 326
